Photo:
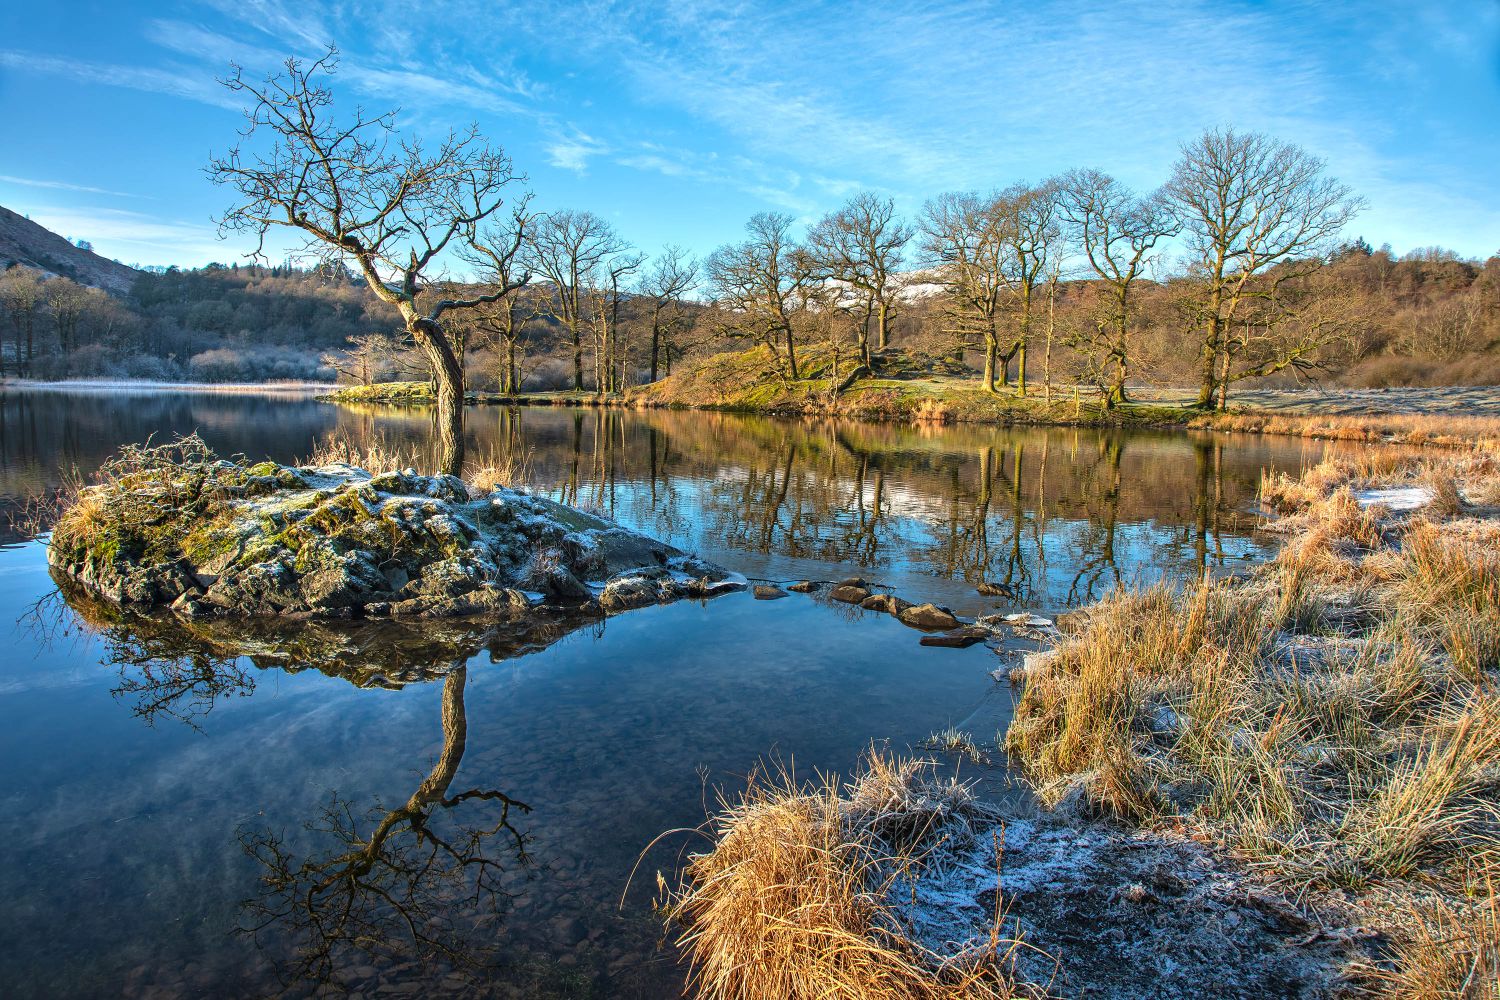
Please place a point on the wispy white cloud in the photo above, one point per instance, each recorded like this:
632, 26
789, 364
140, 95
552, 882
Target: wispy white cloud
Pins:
135, 236
572, 148
188, 84
65, 186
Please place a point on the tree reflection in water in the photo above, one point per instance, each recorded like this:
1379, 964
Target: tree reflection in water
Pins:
427, 882
416, 883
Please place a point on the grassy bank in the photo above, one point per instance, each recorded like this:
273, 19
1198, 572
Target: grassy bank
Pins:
931, 391
1327, 731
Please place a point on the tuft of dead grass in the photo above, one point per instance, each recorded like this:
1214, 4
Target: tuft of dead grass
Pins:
793, 900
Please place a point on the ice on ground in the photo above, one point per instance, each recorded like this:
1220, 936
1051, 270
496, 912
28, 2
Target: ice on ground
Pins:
1396, 498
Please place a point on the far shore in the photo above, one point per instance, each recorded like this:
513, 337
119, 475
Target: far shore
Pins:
155, 386
1443, 416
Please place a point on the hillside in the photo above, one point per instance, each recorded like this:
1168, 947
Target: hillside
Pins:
30, 245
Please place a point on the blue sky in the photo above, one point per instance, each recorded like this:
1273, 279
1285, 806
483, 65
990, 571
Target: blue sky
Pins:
678, 120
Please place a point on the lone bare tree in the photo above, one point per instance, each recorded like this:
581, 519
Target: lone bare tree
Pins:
362, 194
1117, 232
860, 246
1252, 207
760, 281
566, 248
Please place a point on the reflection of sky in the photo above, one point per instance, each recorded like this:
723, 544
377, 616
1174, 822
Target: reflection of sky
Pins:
122, 850
121, 838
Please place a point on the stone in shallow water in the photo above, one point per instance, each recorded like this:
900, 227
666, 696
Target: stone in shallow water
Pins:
961, 638
929, 617
803, 587
849, 593
889, 603
768, 592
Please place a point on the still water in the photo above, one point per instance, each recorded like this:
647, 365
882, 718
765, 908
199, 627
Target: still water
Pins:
179, 821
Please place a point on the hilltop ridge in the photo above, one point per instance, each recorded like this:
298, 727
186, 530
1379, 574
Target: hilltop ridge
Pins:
28, 244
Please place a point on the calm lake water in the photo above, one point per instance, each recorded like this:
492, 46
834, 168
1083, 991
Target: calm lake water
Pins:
179, 822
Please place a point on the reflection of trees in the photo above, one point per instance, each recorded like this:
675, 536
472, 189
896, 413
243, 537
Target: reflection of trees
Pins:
410, 883
1095, 563
424, 882
1055, 514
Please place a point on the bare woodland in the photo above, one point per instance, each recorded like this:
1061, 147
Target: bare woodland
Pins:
431, 261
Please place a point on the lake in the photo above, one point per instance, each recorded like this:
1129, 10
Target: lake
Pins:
182, 822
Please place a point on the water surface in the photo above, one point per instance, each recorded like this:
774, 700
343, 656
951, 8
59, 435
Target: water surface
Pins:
164, 800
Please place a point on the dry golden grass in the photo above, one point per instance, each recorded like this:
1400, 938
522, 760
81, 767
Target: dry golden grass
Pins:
1335, 720
791, 902
498, 468
376, 454
1452, 951
1445, 430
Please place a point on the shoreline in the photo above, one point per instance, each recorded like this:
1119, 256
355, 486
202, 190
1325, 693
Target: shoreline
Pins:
1293, 774
1447, 429
115, 385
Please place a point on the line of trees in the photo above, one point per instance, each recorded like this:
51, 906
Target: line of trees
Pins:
1237, 268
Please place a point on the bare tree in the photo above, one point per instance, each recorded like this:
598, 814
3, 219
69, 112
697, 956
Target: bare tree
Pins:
608, 296
1250, 206
21, 302
861, 246
964, 237
566, 247
1031, 237
67, 302
673, 275
362, 362
500, 260
1117, 232
760, 281
360, 193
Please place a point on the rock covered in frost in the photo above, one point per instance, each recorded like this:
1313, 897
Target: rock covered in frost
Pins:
334, 541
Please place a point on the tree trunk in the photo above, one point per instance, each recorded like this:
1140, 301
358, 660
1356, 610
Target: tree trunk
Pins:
1209, 380
882, 332
450, 393
577, 358
791, 355
991, 354
655, 346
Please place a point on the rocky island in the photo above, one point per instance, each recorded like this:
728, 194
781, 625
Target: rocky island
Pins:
176, 525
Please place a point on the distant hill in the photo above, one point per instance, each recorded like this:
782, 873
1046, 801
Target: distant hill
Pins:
25, 243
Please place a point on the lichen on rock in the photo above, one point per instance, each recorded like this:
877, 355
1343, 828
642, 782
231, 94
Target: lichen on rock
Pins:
176, 525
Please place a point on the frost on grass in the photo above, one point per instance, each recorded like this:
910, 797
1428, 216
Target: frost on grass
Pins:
177, 525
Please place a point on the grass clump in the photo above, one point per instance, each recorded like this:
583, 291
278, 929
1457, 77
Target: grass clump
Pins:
146, 503
794, 900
